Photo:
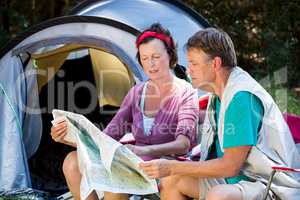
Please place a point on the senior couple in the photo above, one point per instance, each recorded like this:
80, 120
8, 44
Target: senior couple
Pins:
243, 134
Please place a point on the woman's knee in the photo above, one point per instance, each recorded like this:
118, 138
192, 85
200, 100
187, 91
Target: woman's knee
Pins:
70, 165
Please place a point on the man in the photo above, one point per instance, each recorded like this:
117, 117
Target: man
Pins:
243, 134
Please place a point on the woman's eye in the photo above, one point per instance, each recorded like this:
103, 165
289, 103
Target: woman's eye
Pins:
156, 57
144, 59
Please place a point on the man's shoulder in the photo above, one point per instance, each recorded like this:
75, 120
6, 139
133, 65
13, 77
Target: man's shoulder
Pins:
245, 98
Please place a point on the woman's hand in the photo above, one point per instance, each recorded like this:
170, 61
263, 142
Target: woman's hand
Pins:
138, 150
157, 168
59, 131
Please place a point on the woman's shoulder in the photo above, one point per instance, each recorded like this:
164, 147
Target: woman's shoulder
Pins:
137, 87
184, 87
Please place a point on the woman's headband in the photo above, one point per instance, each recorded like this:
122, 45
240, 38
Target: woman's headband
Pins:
167, 39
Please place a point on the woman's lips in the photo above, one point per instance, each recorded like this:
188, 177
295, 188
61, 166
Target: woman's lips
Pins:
153, 71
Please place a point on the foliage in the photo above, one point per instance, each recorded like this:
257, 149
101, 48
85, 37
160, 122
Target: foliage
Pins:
266, 33
16, 15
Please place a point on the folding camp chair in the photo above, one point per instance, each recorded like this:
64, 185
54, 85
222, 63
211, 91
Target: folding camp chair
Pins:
293, 122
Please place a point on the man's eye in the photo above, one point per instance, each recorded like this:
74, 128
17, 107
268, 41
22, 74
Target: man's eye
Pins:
144, 58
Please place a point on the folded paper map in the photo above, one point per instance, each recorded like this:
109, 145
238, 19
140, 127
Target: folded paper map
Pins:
105, 164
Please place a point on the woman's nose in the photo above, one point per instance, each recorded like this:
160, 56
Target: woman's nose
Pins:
152, 62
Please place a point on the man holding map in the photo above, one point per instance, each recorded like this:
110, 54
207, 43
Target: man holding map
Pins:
243, 134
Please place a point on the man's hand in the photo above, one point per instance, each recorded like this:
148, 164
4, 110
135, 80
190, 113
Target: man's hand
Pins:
157, 168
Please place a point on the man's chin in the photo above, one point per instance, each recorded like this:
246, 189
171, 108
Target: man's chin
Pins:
203, 87
196, 84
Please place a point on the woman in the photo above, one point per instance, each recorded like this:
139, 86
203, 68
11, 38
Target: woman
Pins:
161, 113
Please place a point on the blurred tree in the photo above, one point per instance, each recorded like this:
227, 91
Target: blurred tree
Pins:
16, 15
266, 33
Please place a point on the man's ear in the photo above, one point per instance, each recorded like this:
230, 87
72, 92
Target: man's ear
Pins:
217, 62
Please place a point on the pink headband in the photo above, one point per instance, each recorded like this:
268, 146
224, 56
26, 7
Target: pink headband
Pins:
167, 39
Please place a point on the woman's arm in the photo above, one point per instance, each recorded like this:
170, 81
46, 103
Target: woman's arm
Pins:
180, 146
185, 133
119, 125
122, 121
188, 113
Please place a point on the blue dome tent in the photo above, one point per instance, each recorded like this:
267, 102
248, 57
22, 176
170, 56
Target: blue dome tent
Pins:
98, 37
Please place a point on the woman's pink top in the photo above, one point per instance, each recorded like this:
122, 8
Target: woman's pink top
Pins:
178, 115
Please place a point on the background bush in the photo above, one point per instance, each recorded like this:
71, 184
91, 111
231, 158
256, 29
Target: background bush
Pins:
266, 34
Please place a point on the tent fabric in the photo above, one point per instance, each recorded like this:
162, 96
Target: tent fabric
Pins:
127, 57
32, 123
109, 26
48, 66
64, 92
14, 171
23, 38
51, 61
110, 72
178, 18
24, 193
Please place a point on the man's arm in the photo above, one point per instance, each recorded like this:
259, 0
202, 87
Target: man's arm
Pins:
227, 166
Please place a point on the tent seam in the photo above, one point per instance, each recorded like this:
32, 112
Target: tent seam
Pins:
12, 108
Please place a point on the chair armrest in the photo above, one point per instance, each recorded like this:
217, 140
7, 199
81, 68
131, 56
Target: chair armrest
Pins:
285, 169
277, 169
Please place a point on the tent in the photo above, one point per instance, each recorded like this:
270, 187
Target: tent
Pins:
84, 63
